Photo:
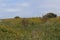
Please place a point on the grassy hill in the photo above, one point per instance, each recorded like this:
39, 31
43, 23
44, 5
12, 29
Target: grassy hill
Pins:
32, 29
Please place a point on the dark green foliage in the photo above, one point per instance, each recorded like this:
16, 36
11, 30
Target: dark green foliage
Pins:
17, 17
50, 15
3, 30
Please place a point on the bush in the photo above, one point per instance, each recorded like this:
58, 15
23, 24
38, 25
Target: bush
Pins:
50, 15
17, 17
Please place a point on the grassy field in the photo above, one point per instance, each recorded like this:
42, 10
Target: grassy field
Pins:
35, 29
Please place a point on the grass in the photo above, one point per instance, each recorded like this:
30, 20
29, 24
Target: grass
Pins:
12, 29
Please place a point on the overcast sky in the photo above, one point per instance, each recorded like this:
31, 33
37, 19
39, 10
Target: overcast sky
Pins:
28, 8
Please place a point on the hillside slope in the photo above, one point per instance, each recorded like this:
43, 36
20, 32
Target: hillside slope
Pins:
36, 29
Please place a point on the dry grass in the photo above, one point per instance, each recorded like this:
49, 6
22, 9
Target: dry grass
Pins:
12, 29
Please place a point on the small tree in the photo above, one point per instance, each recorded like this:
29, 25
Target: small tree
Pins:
50, 15
17, 17
47, 16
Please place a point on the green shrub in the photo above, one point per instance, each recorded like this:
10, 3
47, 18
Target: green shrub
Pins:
17, 17
50, 15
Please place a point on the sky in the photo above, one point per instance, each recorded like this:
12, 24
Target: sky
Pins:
28, 8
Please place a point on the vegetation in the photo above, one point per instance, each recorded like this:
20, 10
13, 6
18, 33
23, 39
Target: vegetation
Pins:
30, 29
50, 15
17, 17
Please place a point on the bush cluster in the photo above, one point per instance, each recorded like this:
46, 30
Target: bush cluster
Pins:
50, 15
